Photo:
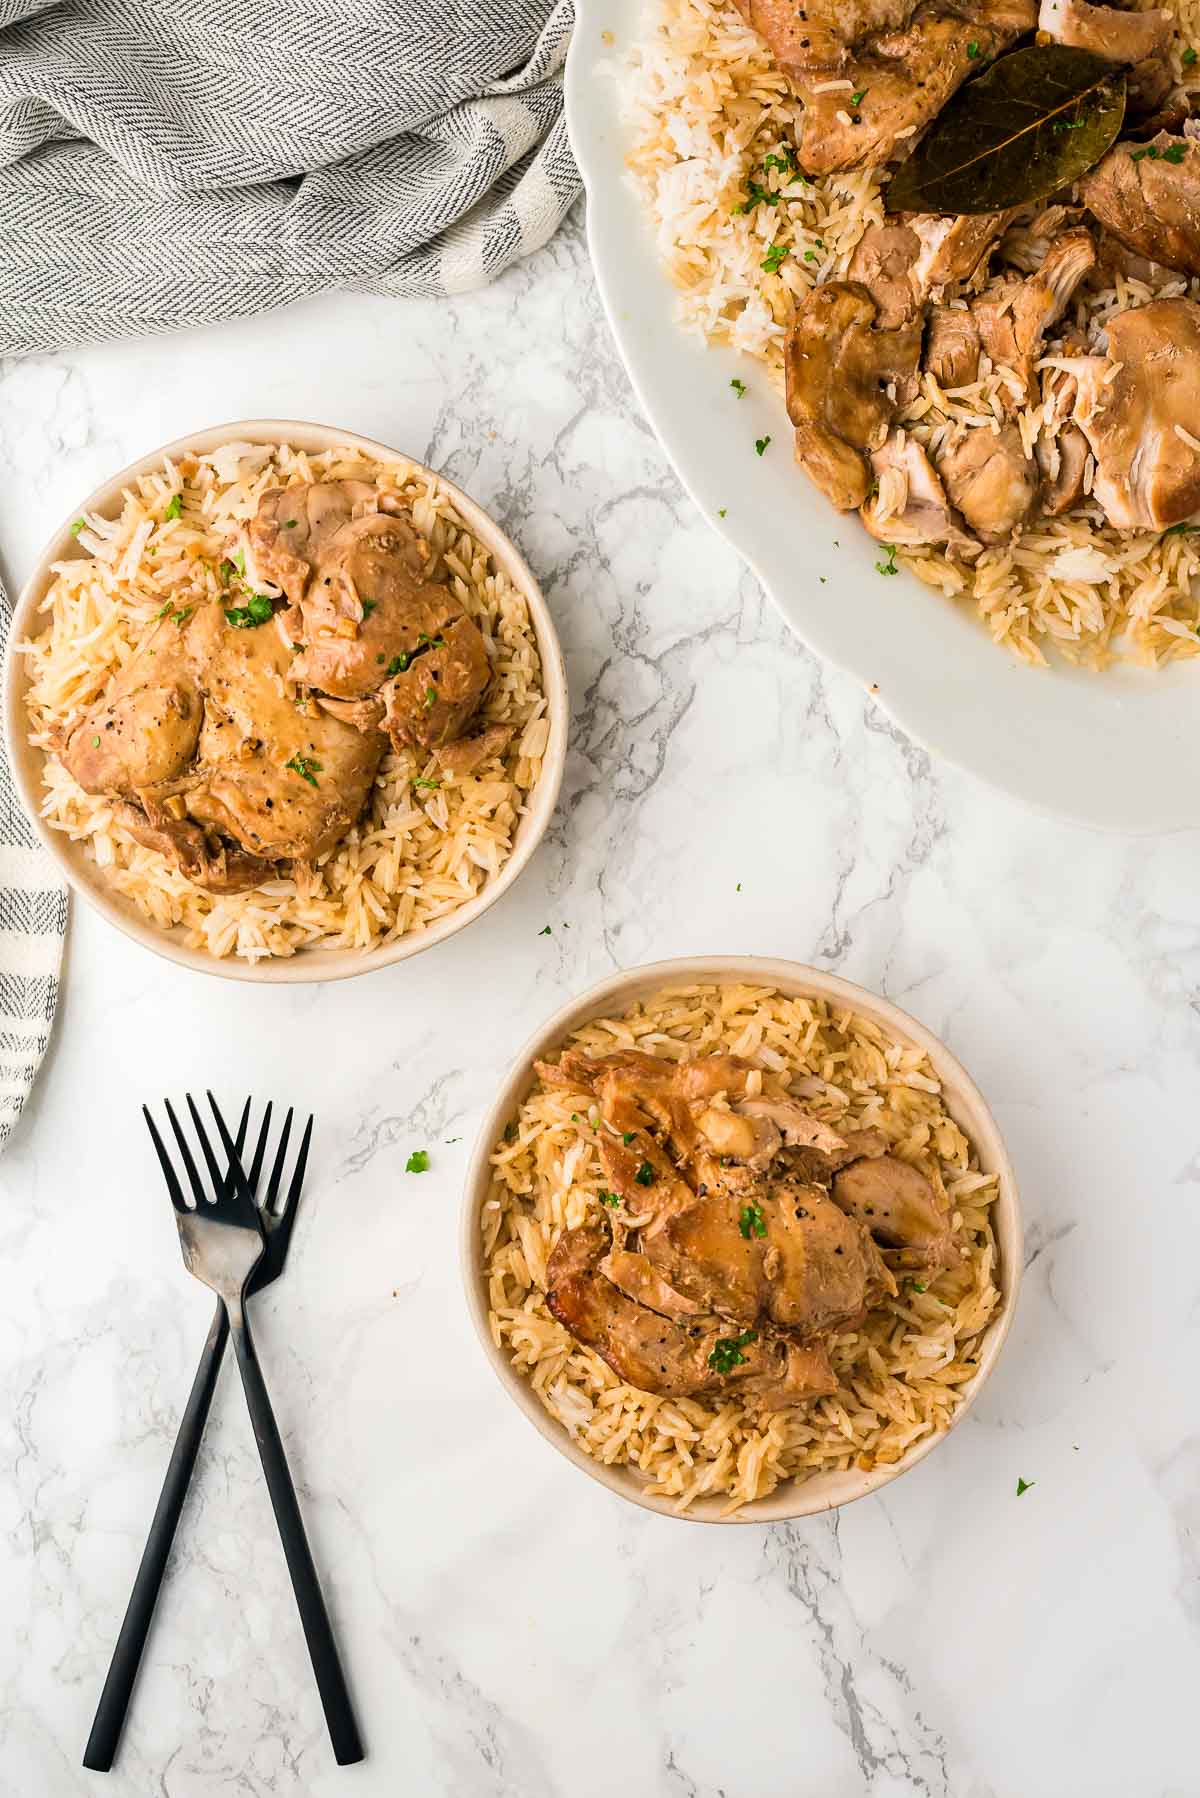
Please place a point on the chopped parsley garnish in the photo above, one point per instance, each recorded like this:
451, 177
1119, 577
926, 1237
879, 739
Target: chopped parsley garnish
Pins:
1172, 153
368, 606
174, 507
760, 445
721, 510
1189, 57
785, 161
727, 1354
430, 697
95, 742
165, 610
422, 782
773, 259
811, 256
608, 1198
417, 1162
239, 562
182, 615
545, 931
645, 1175
1178, 530
305, 767
226, 572
918, 1286
857, 99
888, 567
627, 1137
289, 524
77, 527
739, 387
756, 195
972, 50
257, 610
752, 1222
397, 665
1023, 1486
423, 641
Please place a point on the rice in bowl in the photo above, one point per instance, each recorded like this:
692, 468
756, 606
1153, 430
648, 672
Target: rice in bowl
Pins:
713, 121
421, 850
901, 1374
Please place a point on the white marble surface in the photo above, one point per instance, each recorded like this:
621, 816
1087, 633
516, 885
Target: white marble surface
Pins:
511, 1629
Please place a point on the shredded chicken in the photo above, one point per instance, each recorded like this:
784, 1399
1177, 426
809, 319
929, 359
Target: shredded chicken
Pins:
1013, 317
1148, 196
990, 479
910, 506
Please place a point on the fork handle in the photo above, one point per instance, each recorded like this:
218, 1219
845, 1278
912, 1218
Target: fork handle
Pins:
339, 1716
122, 1672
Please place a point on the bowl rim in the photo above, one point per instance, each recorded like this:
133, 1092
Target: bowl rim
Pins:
318, 965
822, 1492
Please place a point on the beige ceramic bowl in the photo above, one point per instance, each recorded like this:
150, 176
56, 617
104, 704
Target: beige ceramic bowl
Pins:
311, 964
822, 1492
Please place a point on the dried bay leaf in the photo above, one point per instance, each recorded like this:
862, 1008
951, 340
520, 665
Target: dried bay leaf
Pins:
1031, 125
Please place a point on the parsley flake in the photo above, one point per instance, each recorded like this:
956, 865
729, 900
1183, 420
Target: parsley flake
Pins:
397, 665
645, 1175
174, 507
774, 257
756, 195
77, 527
627, 1137
1023, 1486
727, 1352
972, 50
739, 387
417, 1162
304, 766
257, 610
752, 1222
430, 697
760, 445
612, 1199
421, 781
888, 567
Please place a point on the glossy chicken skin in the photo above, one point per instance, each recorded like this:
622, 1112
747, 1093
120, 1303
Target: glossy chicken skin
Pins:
696, 1357
837, 367
1148, 196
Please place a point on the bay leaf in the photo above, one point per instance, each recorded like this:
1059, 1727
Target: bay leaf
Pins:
1035, 122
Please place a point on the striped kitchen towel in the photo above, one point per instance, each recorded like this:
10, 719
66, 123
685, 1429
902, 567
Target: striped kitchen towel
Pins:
33, 924
165, 165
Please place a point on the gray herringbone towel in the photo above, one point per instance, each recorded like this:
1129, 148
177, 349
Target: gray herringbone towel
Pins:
33, 923
174, 162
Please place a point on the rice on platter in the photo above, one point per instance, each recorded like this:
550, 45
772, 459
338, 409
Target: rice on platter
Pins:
745, 237
429, 839
900, 1372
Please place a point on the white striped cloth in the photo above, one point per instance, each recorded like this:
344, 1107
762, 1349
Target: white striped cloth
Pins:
166, 163
33, 924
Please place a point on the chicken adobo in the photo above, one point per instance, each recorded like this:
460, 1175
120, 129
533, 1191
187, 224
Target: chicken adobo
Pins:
244, 735
742, 1234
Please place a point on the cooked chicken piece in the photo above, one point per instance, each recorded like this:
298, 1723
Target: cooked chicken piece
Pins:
792, 1258
836, 364
1140, 39
216, 867
145, 728
433, 700
729, 1133
1106, 31
1138, 408
951, 249
283, 782
1013, 318
702, 1357
797, 1127
371, 607
1062, 449
638, 1278
882, 263
469, 754
952, 348
292, 526
902, 79
821, 33
990, 479
910, 505
1148, 196
899, 1207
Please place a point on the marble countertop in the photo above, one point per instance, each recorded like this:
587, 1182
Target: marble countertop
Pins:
511, 1630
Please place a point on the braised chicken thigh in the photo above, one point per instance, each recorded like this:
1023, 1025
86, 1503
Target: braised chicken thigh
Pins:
728, 1259
244, 735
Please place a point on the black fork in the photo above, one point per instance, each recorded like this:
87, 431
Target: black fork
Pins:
276, 1215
